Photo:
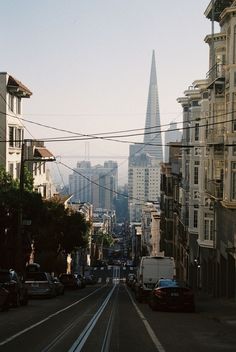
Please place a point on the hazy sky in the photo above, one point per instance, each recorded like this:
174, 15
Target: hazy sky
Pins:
88, 65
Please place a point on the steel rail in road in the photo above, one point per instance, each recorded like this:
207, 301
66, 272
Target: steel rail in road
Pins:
13, 337
80, 341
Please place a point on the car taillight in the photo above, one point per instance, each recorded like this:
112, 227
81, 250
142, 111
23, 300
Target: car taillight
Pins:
160, 292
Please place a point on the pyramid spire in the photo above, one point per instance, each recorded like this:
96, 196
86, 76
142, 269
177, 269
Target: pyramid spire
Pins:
152, 137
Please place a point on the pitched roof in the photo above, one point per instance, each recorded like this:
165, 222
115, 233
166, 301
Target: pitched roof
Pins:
17, 88
43, 153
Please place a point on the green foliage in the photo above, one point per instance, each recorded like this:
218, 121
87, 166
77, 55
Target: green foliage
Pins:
52, 229
6, 181
105, 238
28, 180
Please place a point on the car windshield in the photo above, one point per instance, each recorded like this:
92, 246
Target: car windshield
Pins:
168, 283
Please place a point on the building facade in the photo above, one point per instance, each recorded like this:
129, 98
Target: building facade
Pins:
12, 93
207, 196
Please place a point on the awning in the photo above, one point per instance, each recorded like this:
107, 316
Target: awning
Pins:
43, 153
17, 88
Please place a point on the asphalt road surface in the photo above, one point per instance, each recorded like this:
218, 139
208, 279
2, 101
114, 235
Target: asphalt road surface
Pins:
106, 317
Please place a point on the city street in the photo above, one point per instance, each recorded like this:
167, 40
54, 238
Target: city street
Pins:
106, 317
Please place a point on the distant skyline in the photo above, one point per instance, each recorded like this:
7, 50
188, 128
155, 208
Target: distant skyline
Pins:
88, 66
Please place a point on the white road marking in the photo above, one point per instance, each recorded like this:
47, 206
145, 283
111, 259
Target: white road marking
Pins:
151, 333
46, 319
80, 341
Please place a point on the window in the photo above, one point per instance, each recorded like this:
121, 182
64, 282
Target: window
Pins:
233, 180
195, 216
195, 103
234, 111
197, 132
195, 175
11, 169
234, 149
15, 136
18, 137
208, 227
11, 102
11, 136
18, 170
234, 46
235, 78
18, 106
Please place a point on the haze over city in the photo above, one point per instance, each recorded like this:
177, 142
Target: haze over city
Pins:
88, 65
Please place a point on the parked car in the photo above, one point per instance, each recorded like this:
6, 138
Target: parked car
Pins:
81, 278
172, 295
12, 282
60, 289
70, 281
89, 278
4, 298
40, 284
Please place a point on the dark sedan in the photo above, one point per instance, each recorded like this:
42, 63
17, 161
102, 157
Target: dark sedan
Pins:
70, 281
4, 298
12, 282
172, 295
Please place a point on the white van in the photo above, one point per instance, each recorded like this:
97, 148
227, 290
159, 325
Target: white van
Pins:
150, 270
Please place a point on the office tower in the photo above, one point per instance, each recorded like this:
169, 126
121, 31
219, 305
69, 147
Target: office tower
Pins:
152, 137
145, 159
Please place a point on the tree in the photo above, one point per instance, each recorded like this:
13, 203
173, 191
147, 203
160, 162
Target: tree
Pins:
52, 230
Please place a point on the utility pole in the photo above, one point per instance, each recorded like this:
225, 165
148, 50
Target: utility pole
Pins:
19, 235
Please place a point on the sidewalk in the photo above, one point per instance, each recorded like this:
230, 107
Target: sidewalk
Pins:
220, 309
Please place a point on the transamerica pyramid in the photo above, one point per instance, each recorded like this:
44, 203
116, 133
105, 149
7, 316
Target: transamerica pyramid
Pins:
152, 136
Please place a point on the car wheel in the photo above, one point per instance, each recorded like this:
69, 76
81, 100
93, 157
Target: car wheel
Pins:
153, 304
16, 302
25, 300
138, 297
5, 306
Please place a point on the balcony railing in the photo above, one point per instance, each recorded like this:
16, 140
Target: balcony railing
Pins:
215, 188
216, 72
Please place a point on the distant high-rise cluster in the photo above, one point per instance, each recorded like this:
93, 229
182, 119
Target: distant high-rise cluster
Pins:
94, 184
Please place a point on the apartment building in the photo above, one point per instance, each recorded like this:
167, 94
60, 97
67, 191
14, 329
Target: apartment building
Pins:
17, 153
12, 93
207, 192
150, 229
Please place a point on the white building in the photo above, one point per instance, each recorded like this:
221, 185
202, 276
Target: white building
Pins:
12, 92
17, 153
143, 184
